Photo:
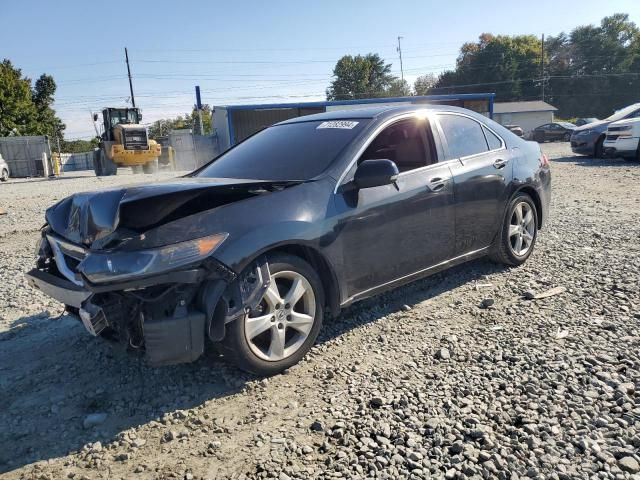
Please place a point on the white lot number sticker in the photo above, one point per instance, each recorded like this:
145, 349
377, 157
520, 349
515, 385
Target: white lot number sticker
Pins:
344, 124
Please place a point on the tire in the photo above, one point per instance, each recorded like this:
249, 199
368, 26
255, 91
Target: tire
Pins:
4, 176
567, 137
252, 355
103, 166
151, 167
97, 164
598, 150
505, 249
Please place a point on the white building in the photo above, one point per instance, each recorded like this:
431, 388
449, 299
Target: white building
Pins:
527, 115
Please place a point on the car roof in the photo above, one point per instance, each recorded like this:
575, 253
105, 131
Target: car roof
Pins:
377, 112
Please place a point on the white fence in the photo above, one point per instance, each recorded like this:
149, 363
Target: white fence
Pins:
73, 162
24, 155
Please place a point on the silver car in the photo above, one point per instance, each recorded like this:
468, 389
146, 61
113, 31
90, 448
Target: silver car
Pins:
589, 139
4, 170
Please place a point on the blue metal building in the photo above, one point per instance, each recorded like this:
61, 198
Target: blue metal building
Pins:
234, 123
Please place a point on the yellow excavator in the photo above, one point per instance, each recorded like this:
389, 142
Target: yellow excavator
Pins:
124, 142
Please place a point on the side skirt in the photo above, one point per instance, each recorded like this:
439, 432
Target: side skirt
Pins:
425, 272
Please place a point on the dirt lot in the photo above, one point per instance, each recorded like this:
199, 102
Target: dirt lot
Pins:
419, 383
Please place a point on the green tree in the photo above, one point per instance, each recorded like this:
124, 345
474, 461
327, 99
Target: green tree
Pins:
398, 88
17, 111
43, 97
508, 66
24, 111
595, 69
592, 71
162, 127
78, 146
424, 84
360, 76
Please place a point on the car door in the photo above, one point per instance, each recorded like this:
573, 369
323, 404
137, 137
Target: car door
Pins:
481, 172
540, 133
556, 132
392, 231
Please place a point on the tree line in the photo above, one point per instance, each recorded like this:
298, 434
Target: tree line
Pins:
26, 109
591, 71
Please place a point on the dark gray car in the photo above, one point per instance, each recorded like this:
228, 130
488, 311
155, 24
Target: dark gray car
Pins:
589, 139
307, 216
4, 170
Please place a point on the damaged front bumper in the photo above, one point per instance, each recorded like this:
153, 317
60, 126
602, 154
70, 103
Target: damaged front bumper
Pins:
167, 315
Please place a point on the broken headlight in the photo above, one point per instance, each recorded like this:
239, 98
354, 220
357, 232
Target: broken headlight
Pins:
109, 267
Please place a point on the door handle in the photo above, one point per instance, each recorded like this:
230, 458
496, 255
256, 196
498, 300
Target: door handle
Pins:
436, 184
500, 163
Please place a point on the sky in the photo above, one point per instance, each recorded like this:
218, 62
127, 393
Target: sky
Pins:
246, 52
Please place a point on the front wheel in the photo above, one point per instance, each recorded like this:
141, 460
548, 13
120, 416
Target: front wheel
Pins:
567, 137
4, 176
515, 241
598, 151
285, 324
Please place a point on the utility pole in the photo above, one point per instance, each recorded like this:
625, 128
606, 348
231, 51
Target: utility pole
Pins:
542, 67
199, 109
126, 56
399, 50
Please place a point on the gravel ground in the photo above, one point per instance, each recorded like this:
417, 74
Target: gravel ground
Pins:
426, 381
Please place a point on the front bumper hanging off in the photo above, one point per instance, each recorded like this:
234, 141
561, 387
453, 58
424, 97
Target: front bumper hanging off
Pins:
171, 326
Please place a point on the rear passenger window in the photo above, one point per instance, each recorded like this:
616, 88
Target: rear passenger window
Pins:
492, 139
464, 136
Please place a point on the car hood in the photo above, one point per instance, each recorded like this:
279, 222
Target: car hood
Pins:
626, 121
91, 218
600, 125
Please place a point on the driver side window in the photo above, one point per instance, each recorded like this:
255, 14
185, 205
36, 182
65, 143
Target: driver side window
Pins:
408, 143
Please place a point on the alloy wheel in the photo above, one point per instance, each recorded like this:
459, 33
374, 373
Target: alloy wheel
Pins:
522, 229
284, 318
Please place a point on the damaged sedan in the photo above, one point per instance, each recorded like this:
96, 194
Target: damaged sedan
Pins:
250, 253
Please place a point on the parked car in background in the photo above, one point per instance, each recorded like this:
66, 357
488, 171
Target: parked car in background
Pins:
583, 121
589, 139
305, 217
4, 170
515, 129
553, 132
623, 138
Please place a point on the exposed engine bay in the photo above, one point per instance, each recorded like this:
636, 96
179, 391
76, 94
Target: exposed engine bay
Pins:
169, 320
97, 257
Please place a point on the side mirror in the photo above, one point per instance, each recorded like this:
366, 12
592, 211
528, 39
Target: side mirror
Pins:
374, 173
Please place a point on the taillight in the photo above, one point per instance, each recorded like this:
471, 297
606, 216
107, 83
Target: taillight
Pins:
544, 160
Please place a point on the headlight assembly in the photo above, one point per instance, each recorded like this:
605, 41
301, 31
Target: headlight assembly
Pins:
109, 267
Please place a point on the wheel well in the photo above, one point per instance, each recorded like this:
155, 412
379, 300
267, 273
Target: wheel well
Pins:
322, 268
536, 199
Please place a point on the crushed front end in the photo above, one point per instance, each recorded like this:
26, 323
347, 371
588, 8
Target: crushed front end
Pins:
165, 300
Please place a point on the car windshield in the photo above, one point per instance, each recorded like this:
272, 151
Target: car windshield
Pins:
620, 114
293, 151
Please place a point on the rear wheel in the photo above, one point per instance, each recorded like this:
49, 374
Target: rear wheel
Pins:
4, 175
567, 137
151, 167
518, 234
598, 151
285, 324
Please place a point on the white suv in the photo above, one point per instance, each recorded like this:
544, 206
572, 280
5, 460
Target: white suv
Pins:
622, 139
